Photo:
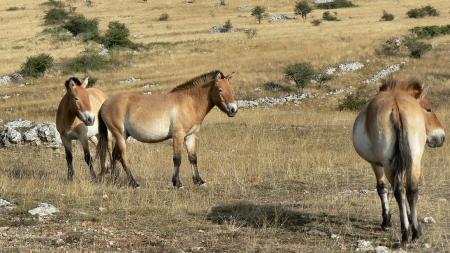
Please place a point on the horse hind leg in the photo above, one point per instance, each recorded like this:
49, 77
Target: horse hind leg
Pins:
383, 193
400, 196
192, 156
412, 195
119, 153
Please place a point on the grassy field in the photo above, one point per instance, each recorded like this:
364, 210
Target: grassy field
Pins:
280, 179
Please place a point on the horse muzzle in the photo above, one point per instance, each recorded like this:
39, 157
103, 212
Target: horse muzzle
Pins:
232, 110
436, 140
88, 118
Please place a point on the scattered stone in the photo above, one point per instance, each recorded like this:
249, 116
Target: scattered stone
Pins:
429, 220
382, 249
334, 236
6, 204
350, 66
130, 80
426, 246
364, 246
139, 36
316, 232
44, 210
245, 8
281, 17
19, 132
222, 29
322, 1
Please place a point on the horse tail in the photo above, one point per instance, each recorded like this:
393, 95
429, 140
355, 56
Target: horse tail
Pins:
402, 160
102, 146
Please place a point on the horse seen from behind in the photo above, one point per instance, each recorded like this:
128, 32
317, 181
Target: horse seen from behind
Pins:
390, 133
75, 119
155, 118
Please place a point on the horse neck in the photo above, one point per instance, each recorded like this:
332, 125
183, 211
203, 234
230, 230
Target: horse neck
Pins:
201, 100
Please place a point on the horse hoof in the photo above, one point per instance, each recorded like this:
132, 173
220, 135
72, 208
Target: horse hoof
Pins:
182, 188
204, 185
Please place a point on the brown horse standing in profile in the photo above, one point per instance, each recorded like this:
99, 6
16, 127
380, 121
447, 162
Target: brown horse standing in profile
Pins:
390, 133
75, 119
155, 118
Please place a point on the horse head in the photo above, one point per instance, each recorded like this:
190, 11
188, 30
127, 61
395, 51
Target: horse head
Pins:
434, 129
222, 94
79, 100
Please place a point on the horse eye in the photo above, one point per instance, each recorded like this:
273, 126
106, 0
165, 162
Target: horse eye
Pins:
76, 99
428, 110
220, 90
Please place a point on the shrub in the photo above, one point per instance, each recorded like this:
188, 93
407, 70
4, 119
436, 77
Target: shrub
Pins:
117, 35
79, 24
431, 31
250, 33
55, 16
356, 101
58, 33
322, 78
335, 4
316, 22
302, 8
422, 12
417, 48
164, 17
259, 13
328, 17
87, 62
35, 66
390, 48
387, 16
91, 82
300, 73
13, 8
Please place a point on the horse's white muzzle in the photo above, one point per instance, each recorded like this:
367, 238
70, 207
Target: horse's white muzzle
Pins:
232, 109
88, 118
436, 139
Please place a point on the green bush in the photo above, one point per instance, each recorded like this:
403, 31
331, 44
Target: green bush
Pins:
58, 33
117, 35
302, 8
164, 17
316, 22
390, 48
87, 62
301, 73
387, 16
431, 31
335, 4
55, 16
80, 25
417, 48
422, 12
328, 17
35, 66
356, 101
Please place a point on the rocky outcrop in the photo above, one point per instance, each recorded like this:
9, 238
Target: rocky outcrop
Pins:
22, 132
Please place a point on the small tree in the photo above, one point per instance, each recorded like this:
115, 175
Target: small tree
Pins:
117, 35
300, 73
302, 9
259, 13
250, 33
79, 24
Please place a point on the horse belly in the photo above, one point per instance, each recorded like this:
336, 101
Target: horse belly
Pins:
361, 141
155, 132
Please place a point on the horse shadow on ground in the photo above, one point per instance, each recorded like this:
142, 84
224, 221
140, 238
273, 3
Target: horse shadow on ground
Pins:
287, 217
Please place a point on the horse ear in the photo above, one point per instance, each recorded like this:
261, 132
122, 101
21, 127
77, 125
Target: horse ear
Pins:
424, 92
218, 76
229, 76
85, 82
69, 85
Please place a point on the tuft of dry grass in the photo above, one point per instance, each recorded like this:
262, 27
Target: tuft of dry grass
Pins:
280, 179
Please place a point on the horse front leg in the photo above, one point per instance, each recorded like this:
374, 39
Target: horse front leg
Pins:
88, 158
400, 196
383, 191
192, 156
69, 158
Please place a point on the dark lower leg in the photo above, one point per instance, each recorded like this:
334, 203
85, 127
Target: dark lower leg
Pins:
195, 174
70, 170
89, 161
176, 176
383, 191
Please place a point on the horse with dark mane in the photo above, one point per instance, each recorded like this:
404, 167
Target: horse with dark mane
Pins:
155, 118
390, 133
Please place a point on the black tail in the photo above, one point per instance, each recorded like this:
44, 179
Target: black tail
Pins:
402, 159
102, 146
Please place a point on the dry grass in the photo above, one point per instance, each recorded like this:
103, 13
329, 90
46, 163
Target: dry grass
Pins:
273, 174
